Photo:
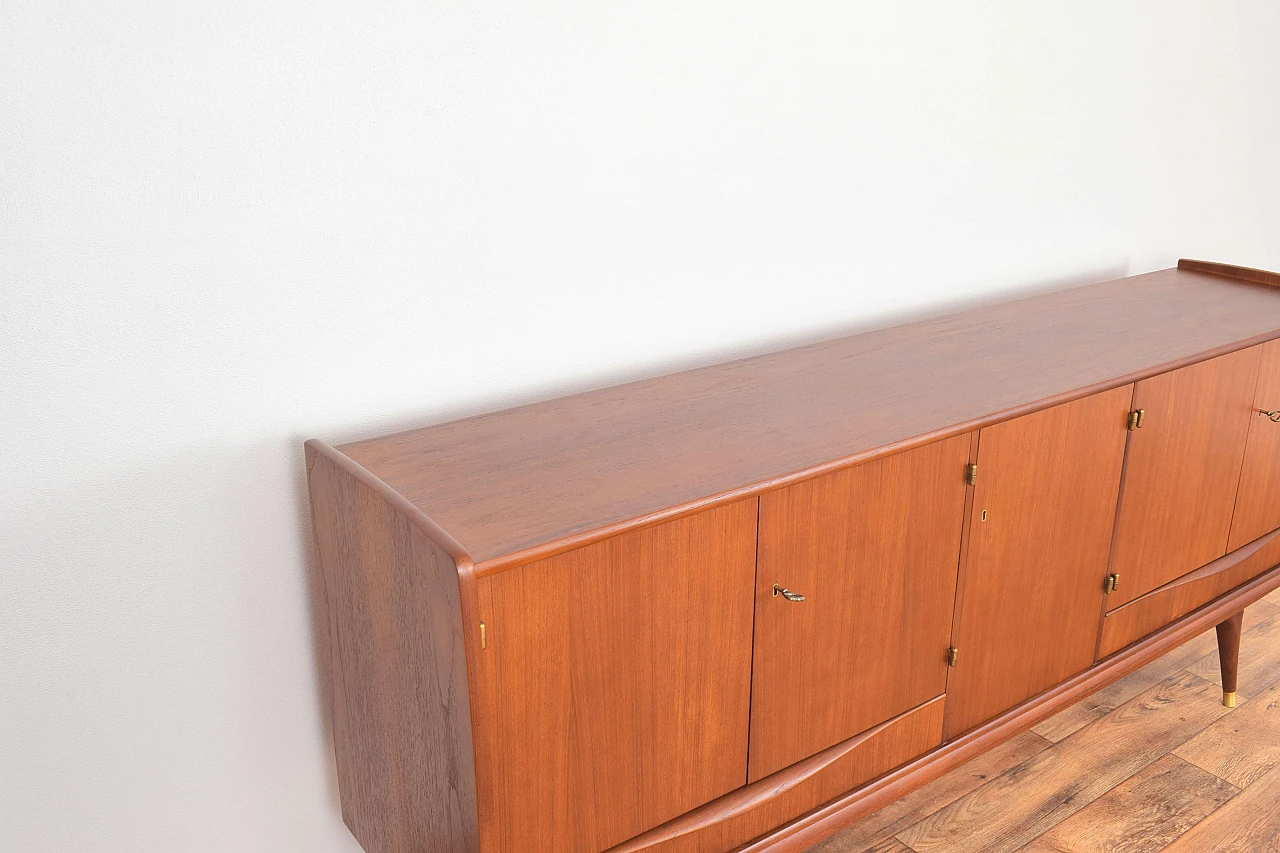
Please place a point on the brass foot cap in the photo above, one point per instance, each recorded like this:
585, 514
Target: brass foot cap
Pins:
1229, 699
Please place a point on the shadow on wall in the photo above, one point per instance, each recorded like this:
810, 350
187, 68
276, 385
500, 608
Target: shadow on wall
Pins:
162, 608
412, 420
322, 656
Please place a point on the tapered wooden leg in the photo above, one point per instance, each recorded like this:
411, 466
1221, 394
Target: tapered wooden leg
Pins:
1229, 656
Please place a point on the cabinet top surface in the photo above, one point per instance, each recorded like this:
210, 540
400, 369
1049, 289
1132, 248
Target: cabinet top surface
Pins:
514, 484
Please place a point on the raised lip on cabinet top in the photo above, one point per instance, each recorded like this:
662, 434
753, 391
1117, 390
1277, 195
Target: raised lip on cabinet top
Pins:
503, 489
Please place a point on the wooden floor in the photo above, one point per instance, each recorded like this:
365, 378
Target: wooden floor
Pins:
1153, 762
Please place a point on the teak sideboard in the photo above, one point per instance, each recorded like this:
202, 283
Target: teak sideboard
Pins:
740, 607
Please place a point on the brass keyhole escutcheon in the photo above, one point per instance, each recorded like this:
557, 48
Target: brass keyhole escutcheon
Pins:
779, 590
984, 515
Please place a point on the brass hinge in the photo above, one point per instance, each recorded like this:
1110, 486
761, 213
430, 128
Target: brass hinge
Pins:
971, 473
1135, 418
484, 636
1111, 583
953, 654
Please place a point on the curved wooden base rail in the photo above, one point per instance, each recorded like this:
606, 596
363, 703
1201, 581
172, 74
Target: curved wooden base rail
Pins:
847, 810
713, 611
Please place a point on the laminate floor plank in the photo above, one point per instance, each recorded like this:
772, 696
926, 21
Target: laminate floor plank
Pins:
1242, 746
890, 845
1250, 823
1142, 814
1067, 722
876, 828
1024, 802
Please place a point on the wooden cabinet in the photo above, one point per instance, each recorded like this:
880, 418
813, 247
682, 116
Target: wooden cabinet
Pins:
737, 608
614, 684
1182, 471
1039, 536
1258, 499
876, 564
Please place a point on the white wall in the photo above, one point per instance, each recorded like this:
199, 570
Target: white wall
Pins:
228, 227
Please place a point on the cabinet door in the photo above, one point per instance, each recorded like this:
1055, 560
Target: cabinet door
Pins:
873, 549
1181, 471
1258, 500
1039, 535
615, 684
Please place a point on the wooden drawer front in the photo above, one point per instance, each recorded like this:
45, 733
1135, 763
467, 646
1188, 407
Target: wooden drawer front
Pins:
615, 684
1158, 608
1181, 471
1258, 501
731, 821
873, 549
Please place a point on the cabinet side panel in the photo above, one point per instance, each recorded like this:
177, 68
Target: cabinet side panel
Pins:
402, 720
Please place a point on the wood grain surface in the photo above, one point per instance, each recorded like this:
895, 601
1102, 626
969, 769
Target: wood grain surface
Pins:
1243, 747
1258, 501
525, 482
1231, 271
752, 811
1039, 538
401, 714
880, 827
1196, 782
876, 562
1229, 653
844, 811
1106, 753
1259, 660
1182, 471
1148, 811
1116, 694
890, 845
1250, 823
1182, 595
615, 688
